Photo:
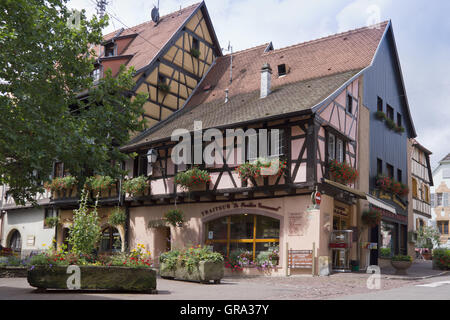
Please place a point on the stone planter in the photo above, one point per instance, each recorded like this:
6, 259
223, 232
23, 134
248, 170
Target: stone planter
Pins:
95, 278
204, 273
401, 266
13, 272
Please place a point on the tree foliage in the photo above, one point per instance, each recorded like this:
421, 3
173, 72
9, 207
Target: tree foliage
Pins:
50, 108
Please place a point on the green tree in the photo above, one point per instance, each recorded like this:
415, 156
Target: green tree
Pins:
428, 237
85, 231
50, 108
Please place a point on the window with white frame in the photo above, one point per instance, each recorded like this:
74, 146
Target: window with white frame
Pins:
336, 148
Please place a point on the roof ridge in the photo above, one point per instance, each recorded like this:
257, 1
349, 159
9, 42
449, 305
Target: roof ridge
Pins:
150, 21
331, 36
249, 49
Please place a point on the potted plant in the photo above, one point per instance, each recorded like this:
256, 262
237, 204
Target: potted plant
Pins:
104, 186
371, 217
262, 167
195, 52
174, 217
164, 88
51, 222
380, 115
390, 123
192, 264
193, 179
62, 187
137, 187
342, 172
401, 263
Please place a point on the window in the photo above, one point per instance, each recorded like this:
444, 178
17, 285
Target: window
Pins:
414, 187
162, 78
253, 145
15, 241
110, 240
58, 170
379, 167
97, 73
349, 103
388, 239
340, 156
140, 165
390, 112
247, 233
399, 175
281, 70
110, 50
195, 44
390, 170
49, 212
379, 104
438, 199
399, 120
426, 191
443, 227
331, 147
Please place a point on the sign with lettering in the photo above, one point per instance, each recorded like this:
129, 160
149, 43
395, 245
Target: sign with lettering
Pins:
300, 259
340, 210
238, 205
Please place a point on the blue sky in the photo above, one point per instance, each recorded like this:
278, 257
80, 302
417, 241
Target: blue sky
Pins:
422, 32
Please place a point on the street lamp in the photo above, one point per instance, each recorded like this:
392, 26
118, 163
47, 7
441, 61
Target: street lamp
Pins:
152, 155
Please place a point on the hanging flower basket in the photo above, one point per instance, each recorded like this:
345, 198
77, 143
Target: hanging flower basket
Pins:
342, 172
174, 217
193, 179
261, 167
371, 217
104, 186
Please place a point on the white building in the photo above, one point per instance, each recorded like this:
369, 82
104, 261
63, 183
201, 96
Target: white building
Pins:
440, 199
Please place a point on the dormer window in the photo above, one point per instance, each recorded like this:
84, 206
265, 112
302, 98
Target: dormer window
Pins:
282, 70
110, 50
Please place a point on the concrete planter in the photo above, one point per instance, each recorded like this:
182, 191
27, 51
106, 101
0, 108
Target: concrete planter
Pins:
95, 278
204, 273
13, 272
401, 266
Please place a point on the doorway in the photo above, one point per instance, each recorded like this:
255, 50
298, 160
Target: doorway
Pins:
162, 241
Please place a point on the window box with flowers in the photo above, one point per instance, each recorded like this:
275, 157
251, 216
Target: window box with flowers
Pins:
193, 179
104, 186
137, 187
65, 187
389, 185
257, 170
342, 172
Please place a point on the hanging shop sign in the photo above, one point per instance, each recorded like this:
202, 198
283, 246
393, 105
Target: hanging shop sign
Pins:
340, 210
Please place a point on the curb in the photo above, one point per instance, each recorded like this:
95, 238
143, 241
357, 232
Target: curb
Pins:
417, 278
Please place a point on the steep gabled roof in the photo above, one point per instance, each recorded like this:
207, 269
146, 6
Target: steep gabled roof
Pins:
316, 69
148, 39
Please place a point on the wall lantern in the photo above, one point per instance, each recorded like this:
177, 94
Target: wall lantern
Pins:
152, 155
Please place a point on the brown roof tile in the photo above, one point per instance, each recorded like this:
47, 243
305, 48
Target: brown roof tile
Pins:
151, 37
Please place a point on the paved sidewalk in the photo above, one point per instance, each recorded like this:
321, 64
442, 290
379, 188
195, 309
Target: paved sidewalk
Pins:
420, 269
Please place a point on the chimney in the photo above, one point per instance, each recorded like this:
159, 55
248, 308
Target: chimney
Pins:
226, 96
266, 75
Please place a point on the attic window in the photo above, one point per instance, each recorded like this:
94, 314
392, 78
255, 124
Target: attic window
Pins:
162, 79
281, 70
195, 44
110, 50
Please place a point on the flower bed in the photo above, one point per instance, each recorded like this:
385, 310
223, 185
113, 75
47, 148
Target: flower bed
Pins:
193, 179
95, 278
193, 264
342, 172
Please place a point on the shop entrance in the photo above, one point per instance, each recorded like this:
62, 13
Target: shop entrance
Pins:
341, 221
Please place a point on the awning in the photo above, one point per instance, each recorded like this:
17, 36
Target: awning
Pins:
355, 192
380, 204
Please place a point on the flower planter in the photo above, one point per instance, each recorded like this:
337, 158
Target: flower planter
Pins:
95, 278
427, 256
204, 273
13, 272
65, 193
197, 187
401, 266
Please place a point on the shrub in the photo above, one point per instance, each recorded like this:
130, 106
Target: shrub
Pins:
164, 88
385, 252
117, 217
192, 177
174, 217
401, 258
441, 258
136, 186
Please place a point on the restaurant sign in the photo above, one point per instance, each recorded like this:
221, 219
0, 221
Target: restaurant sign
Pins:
239, 205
